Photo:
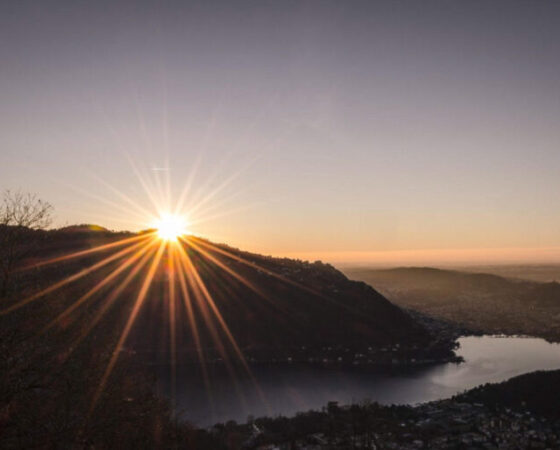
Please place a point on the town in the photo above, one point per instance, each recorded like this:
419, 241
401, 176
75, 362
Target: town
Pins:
444, 424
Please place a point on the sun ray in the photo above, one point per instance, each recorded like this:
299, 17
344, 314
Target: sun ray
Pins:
163, 200
271, 273
172, 320
104, 282
139, 214
187, 289
227, 269
184, 260
147, 189
109, 301
131, 319
278, 307
219, 317
90, 251
194, 329
193, 208
217, 205
71, 279
168, 184
187, 186
206, 315
286, 280
202, 188
143, 211
226, 330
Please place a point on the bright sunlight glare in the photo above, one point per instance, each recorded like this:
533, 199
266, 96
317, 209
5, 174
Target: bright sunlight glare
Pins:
170, 227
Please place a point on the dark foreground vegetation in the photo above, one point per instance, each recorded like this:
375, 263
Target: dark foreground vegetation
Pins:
482, 303
46, 396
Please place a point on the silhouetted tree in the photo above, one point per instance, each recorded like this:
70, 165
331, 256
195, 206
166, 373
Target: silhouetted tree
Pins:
20, 214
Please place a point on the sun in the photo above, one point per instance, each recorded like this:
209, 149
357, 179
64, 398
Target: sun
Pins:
170, 227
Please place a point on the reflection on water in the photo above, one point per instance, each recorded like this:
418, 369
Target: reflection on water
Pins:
289, 389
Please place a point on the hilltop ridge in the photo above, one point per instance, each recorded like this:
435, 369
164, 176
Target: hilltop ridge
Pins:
277, 309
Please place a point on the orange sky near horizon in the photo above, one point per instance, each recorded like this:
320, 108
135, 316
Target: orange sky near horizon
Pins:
437, 257
387, 133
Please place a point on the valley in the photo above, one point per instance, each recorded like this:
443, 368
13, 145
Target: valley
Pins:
478, 302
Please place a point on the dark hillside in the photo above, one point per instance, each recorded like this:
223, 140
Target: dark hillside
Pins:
56, 348
538, 392
276, 308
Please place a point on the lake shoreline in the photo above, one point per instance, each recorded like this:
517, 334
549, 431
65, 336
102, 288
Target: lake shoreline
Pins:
293, 388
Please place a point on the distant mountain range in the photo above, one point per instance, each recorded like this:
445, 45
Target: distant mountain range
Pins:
482, 302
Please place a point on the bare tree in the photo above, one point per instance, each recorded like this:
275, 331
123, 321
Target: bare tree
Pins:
21, 213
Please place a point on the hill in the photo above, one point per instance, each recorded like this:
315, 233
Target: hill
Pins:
276, 309
83, 228
482, 302
65, 380
537, 392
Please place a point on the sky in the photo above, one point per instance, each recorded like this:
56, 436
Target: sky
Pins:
382, 132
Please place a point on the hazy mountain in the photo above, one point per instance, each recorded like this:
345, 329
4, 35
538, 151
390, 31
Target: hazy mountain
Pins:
543, 273
483, 302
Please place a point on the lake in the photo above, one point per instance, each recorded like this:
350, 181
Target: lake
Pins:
288, 389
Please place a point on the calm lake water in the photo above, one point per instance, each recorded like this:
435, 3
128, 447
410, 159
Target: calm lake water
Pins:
288, 389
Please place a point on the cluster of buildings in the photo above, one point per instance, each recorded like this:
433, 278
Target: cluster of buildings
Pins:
396, 354
445, 424
451, 424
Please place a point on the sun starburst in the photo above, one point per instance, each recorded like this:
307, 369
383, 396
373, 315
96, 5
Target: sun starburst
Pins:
170, 227
166, 248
